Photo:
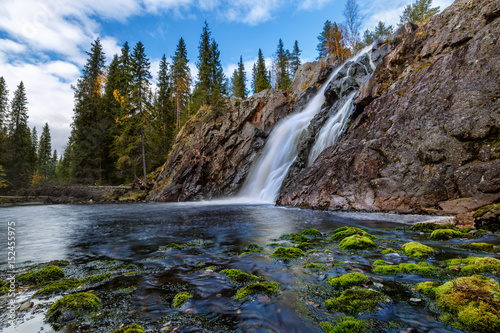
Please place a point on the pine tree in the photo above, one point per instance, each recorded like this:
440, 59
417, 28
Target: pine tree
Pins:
418, 12
382, 31
44, 149
218, 84
260, 75
19, 156
295, 59
332, 41
33, 158
4, 103
322, 40
204, 65
181, 79
238, 81
281, 67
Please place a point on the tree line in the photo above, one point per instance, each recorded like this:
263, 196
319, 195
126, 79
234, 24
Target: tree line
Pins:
25, 159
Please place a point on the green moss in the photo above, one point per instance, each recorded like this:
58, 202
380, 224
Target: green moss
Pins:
379, 262
294, 238
415, 249
264, 288
480, 247
483, 210
445, 234
96, 278
354, 301
254, 247
421, 268
181, 298
288, 253
473, 301
311, 232
170, 246
388, 250
344, 232
348, 325
348, 280
356, 242
304, 246
429, 227
78, 305
57, 287
4, 287
315, 266
473, 265
235, 275
274, 244
427, 288
134, 328
47, 274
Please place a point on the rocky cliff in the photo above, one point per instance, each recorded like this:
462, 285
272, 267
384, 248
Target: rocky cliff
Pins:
213, 151
426, 129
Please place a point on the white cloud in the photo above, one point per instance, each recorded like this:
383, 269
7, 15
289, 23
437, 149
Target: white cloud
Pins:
313, 4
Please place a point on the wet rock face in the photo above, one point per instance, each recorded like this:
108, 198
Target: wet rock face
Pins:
214, 150
425, 133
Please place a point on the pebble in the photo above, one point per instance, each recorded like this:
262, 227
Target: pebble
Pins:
415, 300
25, 306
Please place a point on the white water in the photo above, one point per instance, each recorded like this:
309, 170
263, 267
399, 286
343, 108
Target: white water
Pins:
266, 175
332, 129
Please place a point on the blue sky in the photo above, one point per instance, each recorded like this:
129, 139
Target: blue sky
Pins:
43, 42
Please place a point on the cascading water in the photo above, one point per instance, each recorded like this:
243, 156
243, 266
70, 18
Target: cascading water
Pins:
266, 175
333, 129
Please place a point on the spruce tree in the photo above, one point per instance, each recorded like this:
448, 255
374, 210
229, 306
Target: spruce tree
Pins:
281, 67
181, 79
218, 84
295, 59
322, 40
45, 152
4, 103
418, 12
238, 81
205, 68
260, 75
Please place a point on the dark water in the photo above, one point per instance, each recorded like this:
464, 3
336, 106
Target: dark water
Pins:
133, 233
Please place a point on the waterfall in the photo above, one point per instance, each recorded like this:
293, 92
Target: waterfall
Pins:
264, 179
332, 129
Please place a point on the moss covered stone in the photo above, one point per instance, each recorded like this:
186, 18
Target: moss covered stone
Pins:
344, 232
480, 247
315, 266
254, 247
311, 232
294, 238
134, 328
474, 265
170, 246
348, 280
96, 278
445, 234
58, 286
354, 301
181, 298
427, 288
421, 268
473, 301
388, 251
235, 275
430, 227
264, 288
304, 246
47, 274
379, 262
415, 249
345, 325
74, 306
356, 242
288, 253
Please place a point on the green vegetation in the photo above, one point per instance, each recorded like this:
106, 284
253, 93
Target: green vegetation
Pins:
356, 242
78, 305
295, 238
421, 268
344, 232
311, 232
288, 253
254, 247
427, 288
315, 266
133, 328
181, 298
96, 278
379, 262
57, 287
354, 301
483, 210
415, 249
347, 280
4, 287
388, 250
474, 265
235, 275
430, 227
238, 81
446, 234
260, 74
264, 288
170, 246
480, 247
345, 325
419, 12
47, 274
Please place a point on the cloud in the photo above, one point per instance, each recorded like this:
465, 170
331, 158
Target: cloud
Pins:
313, 4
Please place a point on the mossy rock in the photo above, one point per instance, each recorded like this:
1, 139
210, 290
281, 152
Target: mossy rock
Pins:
421, 268
354, 301
356, 242
4, 287
483, 210
288, 253
417, 250
445, 234
294, 238
430, 227
348, 280
315, 266
428, 288
345, 325
74, 306
488, 217
181, 298
170, 246
133, 328
379, 262
263, 288
344, 232
388, 251
304, 246
311, 232
47, 274
473, 301
235, 275
480, 247
474, 265
58, 287
254, 247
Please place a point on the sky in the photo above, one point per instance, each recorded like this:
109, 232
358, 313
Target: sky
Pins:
44, 42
